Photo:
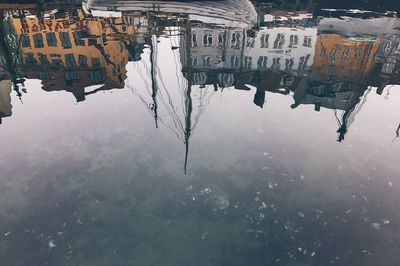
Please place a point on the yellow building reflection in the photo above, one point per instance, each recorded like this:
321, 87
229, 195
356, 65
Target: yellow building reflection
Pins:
338, 58
70, 51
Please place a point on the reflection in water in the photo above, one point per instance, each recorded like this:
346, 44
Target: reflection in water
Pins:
294, 52
176, 60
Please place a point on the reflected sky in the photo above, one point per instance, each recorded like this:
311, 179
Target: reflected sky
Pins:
153, 138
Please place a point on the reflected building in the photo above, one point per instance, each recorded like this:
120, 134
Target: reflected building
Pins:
344, 59
325, 70
381, 29
5, 82
74, 49
339, 77
69, 51
271, 59
387, 71
288, 49
5, 98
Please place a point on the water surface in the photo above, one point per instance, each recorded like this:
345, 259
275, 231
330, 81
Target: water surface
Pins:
150, 136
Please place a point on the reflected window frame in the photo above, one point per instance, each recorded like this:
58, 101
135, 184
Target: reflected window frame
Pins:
38, 40
207, 39
83, 61
65, 40
70, 60
264, 40
25, 41
51, 39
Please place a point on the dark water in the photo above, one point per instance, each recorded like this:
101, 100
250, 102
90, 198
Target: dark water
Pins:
199, 135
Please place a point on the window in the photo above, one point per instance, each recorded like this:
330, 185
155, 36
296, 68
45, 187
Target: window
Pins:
234, 61
97, 77
247, 62
288, 80
264, 40
194, 40
333, 56
199, 78
250, 43
38, 40
65, 41
30, 59
345, 55
279, 41
357, 53
276, 63
235, 42
322, 52
207, 61
43, 59
388, 68
289, 64
221, 40
387, 47
51, 39
95, 62
78, 38
226, 79
303, 62
71, 76
82, 61
194, 61
307, 41
262, 62
57, 62
25, 41
70, 60
293, 40
207, 40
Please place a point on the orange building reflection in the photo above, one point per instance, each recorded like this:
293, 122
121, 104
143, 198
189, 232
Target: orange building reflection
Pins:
70, 51
343, 59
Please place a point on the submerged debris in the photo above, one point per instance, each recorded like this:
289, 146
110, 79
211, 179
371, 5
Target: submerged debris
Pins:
206, 191
52, 244
221, 202
376, 226
366, 251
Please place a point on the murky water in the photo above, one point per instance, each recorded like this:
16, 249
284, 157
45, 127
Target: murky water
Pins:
155, 133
